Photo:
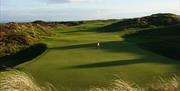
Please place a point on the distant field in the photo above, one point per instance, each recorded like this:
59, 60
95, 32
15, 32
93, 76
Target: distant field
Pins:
74, 62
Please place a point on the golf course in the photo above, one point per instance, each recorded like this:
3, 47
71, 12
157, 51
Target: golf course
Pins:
80, 55
73, 61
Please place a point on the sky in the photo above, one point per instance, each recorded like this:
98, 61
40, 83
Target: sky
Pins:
74, 10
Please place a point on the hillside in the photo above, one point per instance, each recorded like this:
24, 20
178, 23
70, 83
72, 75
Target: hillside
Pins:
159, 33
164, 40
154, 20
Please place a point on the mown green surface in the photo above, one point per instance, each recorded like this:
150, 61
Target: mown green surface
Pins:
74, 62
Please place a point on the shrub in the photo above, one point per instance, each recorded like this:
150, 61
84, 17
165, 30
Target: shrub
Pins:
15, 36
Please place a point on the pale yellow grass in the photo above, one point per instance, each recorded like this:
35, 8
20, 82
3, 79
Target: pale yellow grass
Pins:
171, 84
14, 80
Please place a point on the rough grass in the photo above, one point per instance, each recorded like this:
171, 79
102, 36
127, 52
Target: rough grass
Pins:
172, 84
151, 21
118, 85
14, 80
16, 36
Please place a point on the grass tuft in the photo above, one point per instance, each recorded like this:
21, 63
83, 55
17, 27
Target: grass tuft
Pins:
172, 84
14, 80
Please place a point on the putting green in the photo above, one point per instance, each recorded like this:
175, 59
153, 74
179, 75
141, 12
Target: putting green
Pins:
74, 62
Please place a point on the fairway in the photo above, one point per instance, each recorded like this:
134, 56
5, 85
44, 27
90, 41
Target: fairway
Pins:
73, 61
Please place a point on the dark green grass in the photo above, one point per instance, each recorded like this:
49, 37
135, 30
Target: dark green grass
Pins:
164, 40
169, 49
22, 56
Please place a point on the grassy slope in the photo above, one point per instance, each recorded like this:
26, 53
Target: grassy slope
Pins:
164, 40
74, 62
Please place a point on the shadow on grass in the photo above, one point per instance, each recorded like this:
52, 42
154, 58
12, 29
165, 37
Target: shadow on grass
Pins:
120, 47
22, 56
164, 41
114, 27
83, 30
111, 46
169, 48
121, 63
100, 28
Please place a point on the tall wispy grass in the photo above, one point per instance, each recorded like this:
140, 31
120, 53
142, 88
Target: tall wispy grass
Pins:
118, 85
14, 80
170, 84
